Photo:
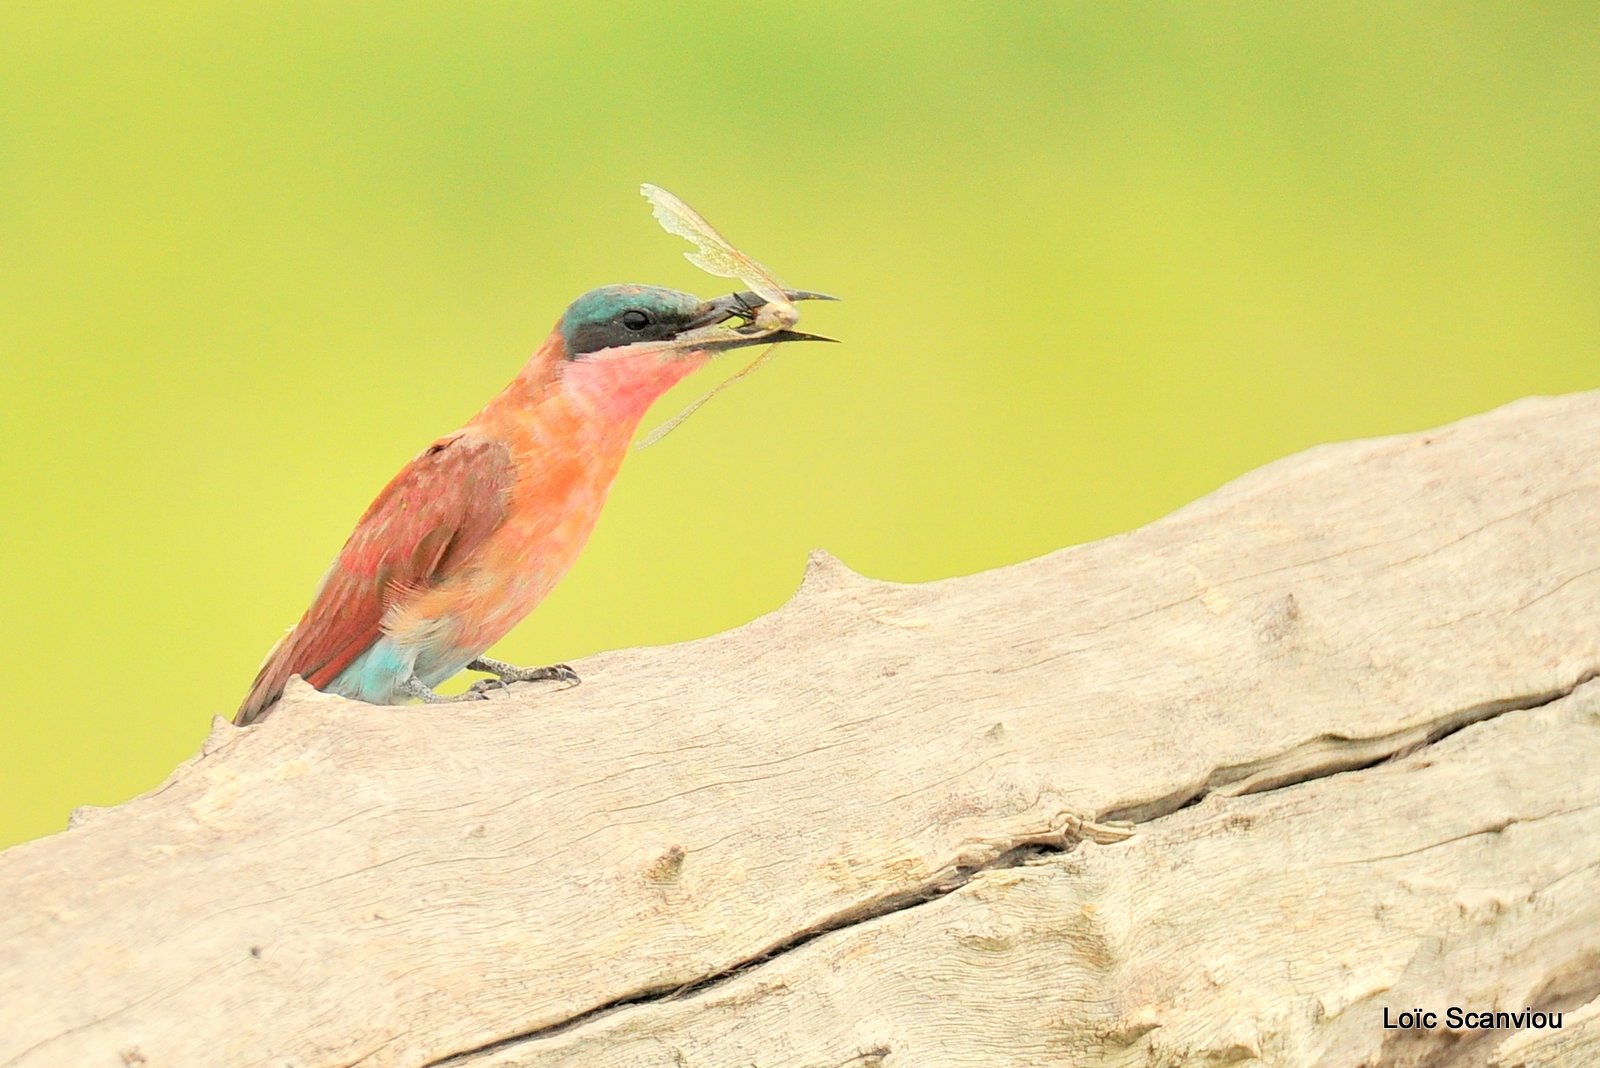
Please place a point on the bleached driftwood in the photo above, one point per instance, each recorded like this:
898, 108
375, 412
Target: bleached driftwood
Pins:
851, 832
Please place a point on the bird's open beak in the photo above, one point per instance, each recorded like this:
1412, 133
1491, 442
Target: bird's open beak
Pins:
706, 332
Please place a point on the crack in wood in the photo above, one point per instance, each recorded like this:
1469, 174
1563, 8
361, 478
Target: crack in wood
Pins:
1258, 778
1497, 827
886, 906
1319, 758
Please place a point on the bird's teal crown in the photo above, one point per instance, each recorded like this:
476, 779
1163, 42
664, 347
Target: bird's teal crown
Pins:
625, 315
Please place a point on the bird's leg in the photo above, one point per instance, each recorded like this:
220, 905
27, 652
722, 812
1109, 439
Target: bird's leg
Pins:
415, 687
505, 674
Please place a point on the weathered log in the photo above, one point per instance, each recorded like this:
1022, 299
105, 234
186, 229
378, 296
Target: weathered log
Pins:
850, 832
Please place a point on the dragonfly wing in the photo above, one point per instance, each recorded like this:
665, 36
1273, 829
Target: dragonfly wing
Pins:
716, 254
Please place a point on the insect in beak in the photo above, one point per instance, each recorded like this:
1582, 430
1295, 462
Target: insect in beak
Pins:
765, 311
761, 321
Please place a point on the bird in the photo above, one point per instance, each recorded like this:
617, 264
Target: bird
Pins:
472, 534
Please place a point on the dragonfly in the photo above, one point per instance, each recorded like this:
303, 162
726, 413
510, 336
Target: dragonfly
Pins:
716, 255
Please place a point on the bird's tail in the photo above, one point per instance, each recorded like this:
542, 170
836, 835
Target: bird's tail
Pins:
270, 680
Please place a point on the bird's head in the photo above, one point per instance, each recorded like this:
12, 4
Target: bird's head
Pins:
625, 320
631, 343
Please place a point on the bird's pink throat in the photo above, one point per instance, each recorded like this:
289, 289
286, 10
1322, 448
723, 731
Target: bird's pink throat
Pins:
620, 389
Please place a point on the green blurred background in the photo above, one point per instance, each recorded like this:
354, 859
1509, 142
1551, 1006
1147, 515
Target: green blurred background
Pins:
1098, 259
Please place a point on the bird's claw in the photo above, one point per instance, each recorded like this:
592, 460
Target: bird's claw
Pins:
506, 674
561, 673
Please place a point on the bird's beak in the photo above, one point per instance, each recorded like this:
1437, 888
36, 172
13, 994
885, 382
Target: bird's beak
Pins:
705, 331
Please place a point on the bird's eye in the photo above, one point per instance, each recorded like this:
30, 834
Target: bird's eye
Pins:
634, 319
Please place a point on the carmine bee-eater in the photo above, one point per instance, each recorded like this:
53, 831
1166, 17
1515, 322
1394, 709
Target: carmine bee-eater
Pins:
471, 535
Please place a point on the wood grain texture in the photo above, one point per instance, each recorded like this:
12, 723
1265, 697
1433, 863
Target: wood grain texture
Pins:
1271, 928
507, 882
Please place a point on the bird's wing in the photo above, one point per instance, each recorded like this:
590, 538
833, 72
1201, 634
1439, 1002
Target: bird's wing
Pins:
430, 516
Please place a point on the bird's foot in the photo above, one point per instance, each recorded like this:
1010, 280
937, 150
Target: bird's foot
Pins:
505, 674
415, 687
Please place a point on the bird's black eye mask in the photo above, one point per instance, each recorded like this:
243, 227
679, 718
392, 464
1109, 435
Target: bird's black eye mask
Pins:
627, 327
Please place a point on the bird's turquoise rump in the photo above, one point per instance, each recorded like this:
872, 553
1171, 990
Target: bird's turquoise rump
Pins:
379, 674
